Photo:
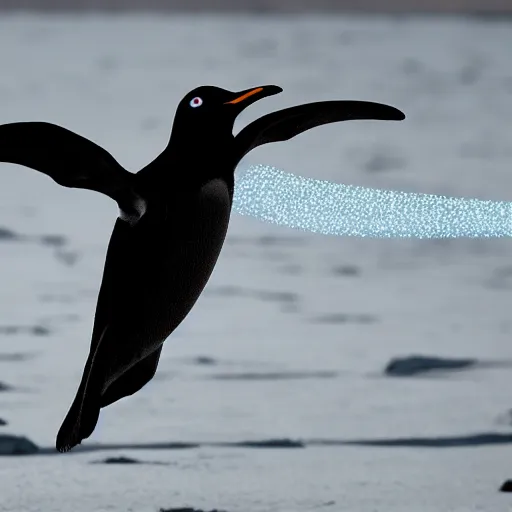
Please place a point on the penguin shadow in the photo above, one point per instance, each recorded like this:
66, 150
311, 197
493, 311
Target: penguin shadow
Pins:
58, 243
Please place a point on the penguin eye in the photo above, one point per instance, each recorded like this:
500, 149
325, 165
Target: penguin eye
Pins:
196, 102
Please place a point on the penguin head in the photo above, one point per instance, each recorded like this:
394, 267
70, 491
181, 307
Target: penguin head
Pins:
212, 110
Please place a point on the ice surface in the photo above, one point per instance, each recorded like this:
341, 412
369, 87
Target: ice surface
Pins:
280, 301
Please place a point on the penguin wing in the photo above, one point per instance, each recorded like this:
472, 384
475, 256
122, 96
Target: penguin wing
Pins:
289, 122
70, 160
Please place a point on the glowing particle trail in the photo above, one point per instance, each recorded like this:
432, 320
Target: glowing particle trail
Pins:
346, 210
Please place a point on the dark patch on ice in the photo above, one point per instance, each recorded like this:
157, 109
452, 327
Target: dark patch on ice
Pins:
40, 330
12, 445
126, 460
346, 270
225, 291
382, 161
56, 297
416, 365
7, 235
117, 460
208, 361
17, 445
346, 318
267, 241
37, 330
204, 361
506, 486
87, 448
275, 296
5, 387
14, 357
288, 300
188, 509
281, 241
3, 422
483, 439
57, 242
53, 240
269, 443
10, 329
283, 375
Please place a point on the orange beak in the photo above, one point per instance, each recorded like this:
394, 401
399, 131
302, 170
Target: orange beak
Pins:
245, 95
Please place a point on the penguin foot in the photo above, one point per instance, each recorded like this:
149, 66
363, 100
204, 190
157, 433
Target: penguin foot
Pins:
67, 439
75, 428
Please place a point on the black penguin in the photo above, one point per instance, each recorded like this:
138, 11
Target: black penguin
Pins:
173, 219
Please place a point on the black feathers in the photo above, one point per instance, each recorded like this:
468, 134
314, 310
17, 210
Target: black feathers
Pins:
69, 159
289, 122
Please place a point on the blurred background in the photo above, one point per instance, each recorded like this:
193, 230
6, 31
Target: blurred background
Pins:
314, 372
342, 6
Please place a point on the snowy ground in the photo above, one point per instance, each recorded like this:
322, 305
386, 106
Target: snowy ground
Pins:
299, 327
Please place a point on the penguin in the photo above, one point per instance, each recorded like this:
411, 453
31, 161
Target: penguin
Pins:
173, 219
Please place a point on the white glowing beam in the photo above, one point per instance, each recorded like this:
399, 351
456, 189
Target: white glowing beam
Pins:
345, 210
